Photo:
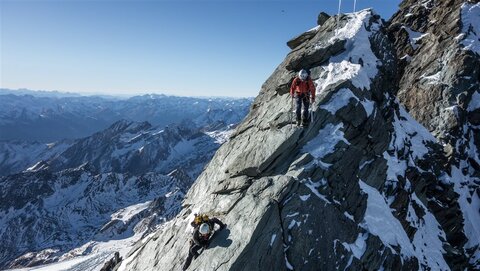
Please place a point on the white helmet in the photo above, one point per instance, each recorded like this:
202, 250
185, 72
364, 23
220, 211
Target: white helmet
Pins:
303, 75
204, 228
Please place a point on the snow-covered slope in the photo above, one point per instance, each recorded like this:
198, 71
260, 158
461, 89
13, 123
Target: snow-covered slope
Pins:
362, 188
138, 147
16, 156
47, 214
471, 27
125, 147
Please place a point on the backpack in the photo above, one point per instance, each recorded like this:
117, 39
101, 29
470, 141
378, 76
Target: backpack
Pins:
199, 219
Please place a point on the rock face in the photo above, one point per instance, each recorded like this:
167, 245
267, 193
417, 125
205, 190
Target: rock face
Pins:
295, 42
433, 40
322, 18
438, 44
363, 187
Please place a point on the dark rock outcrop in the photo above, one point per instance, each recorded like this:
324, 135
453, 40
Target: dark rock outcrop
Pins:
110, 264
322, 18
297, 41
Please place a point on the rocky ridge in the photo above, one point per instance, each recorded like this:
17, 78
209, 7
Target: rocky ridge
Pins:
363, 187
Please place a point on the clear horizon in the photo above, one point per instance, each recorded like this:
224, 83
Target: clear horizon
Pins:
122, 95
181, 48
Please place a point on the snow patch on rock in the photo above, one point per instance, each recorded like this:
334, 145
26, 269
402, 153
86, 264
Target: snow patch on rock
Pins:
326, 140
313, 186
414, 36
341, 99
380, 221
428, 239
471, 27
432, 79
410, 135
469, 203
362, 64
358, 247
475, 102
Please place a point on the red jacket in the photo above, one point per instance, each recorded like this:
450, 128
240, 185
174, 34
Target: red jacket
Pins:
299, 86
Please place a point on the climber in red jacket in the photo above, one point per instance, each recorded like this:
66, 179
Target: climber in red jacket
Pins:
303, 90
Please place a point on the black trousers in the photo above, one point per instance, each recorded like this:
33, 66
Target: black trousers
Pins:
192, 254
304, 99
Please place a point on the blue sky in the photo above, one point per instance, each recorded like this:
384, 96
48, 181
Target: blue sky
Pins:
187, 48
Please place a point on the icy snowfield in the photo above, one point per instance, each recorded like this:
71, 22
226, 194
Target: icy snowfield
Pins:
93, 262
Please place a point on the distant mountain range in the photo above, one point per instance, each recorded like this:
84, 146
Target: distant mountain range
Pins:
38, 93
125, 147
52, 116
